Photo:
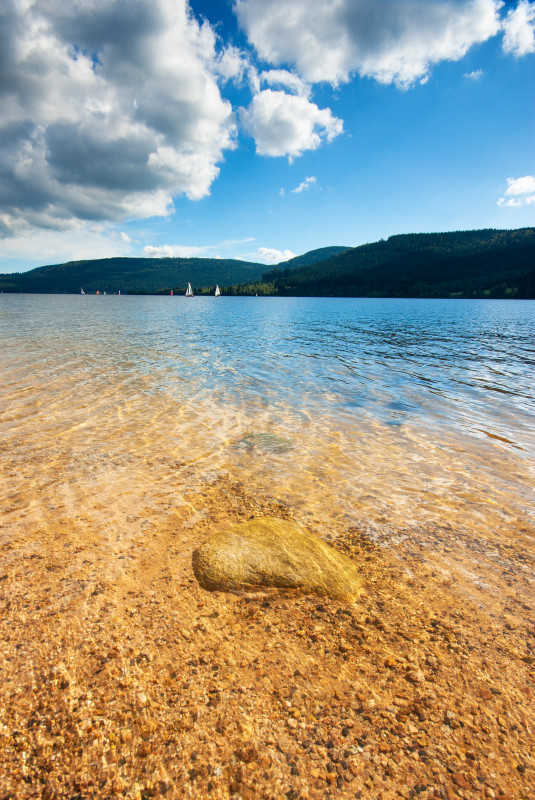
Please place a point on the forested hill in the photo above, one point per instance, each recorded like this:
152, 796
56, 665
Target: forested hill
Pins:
144, 275
313, 257
481, 263
147, 275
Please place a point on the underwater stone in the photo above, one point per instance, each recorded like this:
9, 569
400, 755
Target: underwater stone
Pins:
273, 552
268, 442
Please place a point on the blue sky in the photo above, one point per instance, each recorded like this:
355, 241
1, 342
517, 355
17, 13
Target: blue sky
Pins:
259, 129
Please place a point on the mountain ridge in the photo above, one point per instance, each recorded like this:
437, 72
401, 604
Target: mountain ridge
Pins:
479, 263
130, 275
314, 256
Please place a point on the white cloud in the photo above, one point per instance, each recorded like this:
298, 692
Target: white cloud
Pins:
173, 251
109, 109
287, 125
519, 29
191, 251
517, 202
392, 41
511, 203
125, 237
288, 80
521, 192
56, 247
231, 64
306, 184
475, 75
521, 185
269, 255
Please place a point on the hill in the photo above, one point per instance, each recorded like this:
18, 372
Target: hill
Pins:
147, 275
313, 257
142, 275
481, 263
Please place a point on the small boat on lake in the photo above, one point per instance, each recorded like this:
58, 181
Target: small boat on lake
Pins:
82, 291
217, 292
189, 291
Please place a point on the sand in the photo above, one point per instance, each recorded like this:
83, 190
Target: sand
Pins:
121, 677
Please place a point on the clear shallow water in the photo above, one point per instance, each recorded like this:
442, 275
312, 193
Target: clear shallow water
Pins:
394, 416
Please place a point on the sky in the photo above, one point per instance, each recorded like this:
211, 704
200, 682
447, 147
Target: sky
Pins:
259, 129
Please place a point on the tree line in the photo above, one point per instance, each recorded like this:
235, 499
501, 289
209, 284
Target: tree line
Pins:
470, 264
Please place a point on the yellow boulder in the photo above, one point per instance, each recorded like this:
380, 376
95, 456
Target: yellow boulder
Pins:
274, 552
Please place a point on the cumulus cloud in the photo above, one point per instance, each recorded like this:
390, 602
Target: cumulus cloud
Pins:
519, 29
283, 120
232, 64
520, 191
521, 185
306, 184
288, 80
109, 109
287, 125
392, 41
269, 255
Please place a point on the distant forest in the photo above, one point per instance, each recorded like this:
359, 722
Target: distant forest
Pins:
466, 264
132, 275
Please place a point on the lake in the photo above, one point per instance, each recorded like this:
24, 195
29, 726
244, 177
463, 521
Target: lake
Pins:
411, 421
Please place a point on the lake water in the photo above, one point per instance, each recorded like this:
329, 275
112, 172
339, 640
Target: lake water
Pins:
412, 421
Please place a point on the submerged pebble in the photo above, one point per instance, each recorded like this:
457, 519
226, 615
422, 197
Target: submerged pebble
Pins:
268, 442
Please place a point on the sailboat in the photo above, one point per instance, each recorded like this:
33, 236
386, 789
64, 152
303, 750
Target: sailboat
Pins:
82, 291
217, 292
189, 291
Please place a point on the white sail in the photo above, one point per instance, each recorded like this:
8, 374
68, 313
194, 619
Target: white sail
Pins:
82, 291
189, 291
217, 292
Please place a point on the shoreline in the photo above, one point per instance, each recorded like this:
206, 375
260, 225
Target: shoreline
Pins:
121, 677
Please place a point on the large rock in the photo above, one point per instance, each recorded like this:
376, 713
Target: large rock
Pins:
277, 553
